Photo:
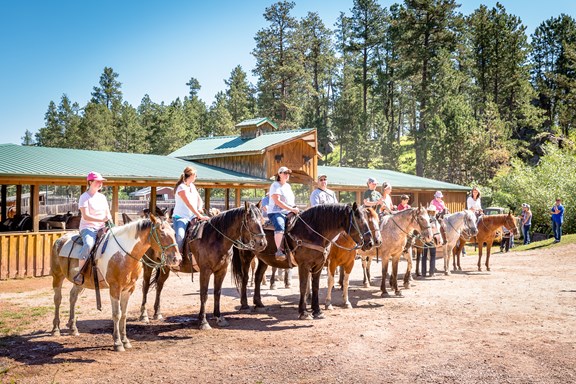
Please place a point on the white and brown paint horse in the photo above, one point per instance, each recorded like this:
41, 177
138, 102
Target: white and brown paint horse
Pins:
395, 229
119, 263
343, 254
457, 224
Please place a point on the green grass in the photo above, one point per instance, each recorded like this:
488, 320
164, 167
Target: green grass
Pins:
17, 318
518, 246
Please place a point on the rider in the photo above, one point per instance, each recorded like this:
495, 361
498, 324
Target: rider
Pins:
95, 215
438, 202
404, 203
282, 202
387, 205
323, 195
372, 198
474, 202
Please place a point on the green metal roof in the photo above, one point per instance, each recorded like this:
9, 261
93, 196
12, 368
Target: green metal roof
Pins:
357, 177
220, 146
22, 161
256, 121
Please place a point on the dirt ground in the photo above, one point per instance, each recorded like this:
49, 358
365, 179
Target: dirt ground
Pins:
515, 324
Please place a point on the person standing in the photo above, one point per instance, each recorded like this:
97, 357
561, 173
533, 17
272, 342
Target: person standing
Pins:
95, 214
429, 248
372, 198
404, 203
557, 213
323, 195
188, 205
387, 205
526, 218
282, 202
473, 202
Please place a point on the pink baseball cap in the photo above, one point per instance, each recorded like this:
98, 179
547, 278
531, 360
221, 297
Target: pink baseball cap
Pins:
95, 176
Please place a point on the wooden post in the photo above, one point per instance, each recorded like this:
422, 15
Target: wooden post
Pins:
227, 199
359, 198
35, 207
152, 206
18, 199
4, 208
115, 205
207, 192
237, 197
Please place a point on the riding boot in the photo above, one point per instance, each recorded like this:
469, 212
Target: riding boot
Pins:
79, 277
185, 250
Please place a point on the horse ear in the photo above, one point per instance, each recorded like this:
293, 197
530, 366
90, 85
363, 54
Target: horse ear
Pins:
246, 206
354, 206
153, 218
259, 204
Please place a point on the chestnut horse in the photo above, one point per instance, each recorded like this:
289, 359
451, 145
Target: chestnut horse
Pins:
488, 225
119, 264
395, 229
342, 254
239, 228
308, 238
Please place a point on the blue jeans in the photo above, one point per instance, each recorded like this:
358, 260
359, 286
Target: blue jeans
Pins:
88, 241
526, 233
432, 260
557, 229
279, 221
180, 224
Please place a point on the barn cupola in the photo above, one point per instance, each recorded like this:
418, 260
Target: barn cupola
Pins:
252, 128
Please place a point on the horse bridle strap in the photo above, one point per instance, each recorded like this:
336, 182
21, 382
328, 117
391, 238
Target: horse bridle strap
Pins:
358, 245
238, 243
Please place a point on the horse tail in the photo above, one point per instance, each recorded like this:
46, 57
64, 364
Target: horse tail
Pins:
237, 271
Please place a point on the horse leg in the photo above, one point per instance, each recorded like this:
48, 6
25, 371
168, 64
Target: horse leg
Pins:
303, 275
488, 249
366, 262
316, 311
331, 273
124, 297
480, 257
159, 286
384, 274
408, 258
74, 293
341, 276
394, 275
346, 270
288, 278
260, 271
218, 279
57, 286
246, 266
253, 271
273, 278
447, 254
146, 276
418, 257
116, 314
204, 281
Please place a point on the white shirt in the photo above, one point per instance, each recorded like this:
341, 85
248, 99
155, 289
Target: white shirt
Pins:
321, 196
96, 206
285, 195
180, 208
474, 205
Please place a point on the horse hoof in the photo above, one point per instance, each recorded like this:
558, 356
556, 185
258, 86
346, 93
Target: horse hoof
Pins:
259, 309
459, 268
348, 305
127, 345
366, 285
222, 322
447, 273
399, 294
244, 307
158, 317
205, 326
488, 269
272, 286
119, 348
305, 316
385, 294
144, 319
406, 285
319, 316
328, 307
288, 286
56, 332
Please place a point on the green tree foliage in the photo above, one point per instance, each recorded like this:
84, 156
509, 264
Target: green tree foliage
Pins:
28, 139
539, 186
130, 134
241, 104
219, 119
108, 93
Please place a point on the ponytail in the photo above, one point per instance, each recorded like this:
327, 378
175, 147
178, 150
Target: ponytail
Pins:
188, 171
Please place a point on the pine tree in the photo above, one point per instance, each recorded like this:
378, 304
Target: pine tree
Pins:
240, 96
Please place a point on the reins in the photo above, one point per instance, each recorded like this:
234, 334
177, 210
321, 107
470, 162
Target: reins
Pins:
238, 243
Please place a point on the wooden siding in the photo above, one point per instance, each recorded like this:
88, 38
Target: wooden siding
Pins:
26, 254
251, 165
299, 156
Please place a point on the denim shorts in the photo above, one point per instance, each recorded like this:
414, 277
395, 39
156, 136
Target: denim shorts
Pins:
279, 221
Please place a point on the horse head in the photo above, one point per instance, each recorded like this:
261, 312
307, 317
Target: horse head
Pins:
358, 228
374, 224
510, 224
469, 222
163, 241
421, 217
252, 231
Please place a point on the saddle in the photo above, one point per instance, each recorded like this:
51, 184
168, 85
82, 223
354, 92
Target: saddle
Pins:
194, 231
71, 248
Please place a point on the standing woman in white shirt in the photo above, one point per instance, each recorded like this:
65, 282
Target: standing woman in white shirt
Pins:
473, 202
188, 204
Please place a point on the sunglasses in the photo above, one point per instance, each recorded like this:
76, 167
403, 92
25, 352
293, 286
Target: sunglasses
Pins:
322, 180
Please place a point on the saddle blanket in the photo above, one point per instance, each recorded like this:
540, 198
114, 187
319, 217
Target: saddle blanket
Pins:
73, 245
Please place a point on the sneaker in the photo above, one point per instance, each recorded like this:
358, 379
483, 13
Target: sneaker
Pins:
556, 241
280, 255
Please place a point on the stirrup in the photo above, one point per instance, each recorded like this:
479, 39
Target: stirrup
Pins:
78, 279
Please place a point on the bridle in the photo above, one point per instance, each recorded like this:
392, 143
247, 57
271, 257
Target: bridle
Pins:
466, 232
250, 246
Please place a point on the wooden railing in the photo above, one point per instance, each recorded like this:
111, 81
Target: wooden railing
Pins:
26, 254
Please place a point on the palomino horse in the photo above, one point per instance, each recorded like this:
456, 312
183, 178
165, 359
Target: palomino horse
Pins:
395, 229
488, 225
308, 239
118, 261
458, 224
239, 228
343, 254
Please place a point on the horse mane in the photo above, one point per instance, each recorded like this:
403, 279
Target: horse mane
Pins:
322, 217
227, 218
138, 226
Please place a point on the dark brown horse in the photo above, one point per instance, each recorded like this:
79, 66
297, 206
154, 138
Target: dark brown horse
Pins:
487, 225
238, 228
308, 240
343, 254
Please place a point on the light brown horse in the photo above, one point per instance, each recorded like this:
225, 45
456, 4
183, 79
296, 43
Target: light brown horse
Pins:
119, 266
395, 229
487, 225
343, 254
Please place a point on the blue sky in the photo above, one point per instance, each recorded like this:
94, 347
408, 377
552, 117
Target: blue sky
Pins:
51, 48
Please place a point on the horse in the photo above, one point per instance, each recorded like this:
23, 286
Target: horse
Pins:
118, 262
239, 228
157, 277
308, 236
343, 255
488, 225
395, 229
455, 225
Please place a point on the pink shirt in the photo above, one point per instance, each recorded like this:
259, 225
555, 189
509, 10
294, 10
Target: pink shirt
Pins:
439, 204
96, 206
